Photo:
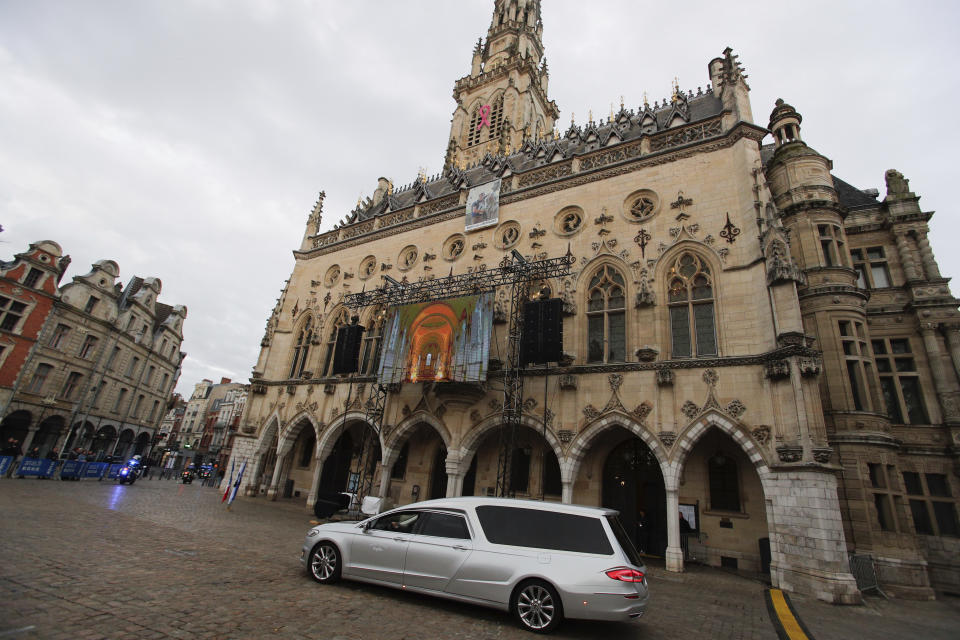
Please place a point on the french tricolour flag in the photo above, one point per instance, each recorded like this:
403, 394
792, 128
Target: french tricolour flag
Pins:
229, 482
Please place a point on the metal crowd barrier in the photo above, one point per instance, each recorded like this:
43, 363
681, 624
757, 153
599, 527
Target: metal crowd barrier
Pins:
69, 469
865, 573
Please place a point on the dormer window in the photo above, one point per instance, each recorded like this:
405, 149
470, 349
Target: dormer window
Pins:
91, 304
33, 277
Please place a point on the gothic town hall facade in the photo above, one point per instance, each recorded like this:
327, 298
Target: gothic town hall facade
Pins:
760, 361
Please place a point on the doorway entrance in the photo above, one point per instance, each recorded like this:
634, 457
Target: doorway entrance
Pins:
633, 485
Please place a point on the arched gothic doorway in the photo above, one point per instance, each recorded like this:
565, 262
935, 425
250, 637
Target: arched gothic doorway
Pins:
633, 485
122, 449
720, 485
534, 467
336, 468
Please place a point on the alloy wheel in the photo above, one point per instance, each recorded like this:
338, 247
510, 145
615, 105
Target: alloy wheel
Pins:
535, 606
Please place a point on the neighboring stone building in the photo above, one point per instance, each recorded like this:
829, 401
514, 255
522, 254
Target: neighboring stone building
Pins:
28, 288
103, 370
200, 416
750, 341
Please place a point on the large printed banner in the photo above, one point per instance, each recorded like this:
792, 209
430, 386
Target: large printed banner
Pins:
443, 341
483, 206
36, 467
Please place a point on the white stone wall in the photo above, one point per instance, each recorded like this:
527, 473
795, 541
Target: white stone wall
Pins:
807, 545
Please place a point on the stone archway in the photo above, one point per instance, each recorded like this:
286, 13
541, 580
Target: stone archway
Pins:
15, 425
430, 467
814, 564
354, 422
122, 448
537, 454
45, 439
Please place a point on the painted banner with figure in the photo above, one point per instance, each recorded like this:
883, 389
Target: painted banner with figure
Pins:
483, 206
442, 341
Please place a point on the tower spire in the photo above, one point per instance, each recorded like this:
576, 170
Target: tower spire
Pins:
489, 118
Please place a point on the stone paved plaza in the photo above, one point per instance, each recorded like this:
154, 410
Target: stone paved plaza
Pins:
164, 560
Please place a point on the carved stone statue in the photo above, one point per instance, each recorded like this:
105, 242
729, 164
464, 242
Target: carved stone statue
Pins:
897, 185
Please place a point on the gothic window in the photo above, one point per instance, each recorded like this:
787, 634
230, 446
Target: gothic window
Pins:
301, 348
400, 466
871, 266
569, 221
368, 267
691, 304
32, 278
308, 444
86, 350
508, 235
59, 335
454, 246
858, 363
340, 319
929, 495
370, 358
332, 276
899, 381
606, 322
486, 122
407, 258
724, 483
832, 245
10, 313
641, 205
39, 378
520, 470
120, 397
552, 482
73, 381
132, 367
880, 480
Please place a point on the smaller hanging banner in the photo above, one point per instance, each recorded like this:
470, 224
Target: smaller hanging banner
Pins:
483, 206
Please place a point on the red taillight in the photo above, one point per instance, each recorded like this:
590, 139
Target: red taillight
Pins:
625, 574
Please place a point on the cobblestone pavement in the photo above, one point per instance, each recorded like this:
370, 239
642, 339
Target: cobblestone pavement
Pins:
164, 560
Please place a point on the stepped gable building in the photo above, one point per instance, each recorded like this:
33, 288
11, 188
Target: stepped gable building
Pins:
749, 341
102, 367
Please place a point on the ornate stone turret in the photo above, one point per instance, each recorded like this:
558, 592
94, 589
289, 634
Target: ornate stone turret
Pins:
313, 223
730, 83
832, 305
505, 94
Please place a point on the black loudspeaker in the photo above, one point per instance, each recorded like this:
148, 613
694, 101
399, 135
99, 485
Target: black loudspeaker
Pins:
542, 332
346, 352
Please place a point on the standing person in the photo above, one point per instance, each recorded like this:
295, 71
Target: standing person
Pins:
16, 451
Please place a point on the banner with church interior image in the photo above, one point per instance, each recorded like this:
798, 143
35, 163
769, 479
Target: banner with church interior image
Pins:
442, 341
483, 206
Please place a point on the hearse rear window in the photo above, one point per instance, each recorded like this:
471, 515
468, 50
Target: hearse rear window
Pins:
543, 529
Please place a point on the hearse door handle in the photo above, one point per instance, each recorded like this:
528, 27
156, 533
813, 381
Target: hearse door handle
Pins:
400, 539
459, 547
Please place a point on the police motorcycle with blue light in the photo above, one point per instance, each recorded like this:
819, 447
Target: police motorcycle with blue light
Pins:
129, 472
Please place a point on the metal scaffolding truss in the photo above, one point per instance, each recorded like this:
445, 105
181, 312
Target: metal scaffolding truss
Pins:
514, 271
513, 268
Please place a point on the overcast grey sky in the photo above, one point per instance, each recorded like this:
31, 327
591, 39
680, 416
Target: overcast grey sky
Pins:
188, 139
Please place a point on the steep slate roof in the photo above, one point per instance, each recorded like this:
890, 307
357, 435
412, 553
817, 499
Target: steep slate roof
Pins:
850, 196
626, 125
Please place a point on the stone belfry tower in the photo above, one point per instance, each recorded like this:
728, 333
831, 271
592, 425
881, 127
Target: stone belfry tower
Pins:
504, 99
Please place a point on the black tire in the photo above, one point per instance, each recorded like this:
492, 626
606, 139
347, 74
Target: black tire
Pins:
536, 606
324, 563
